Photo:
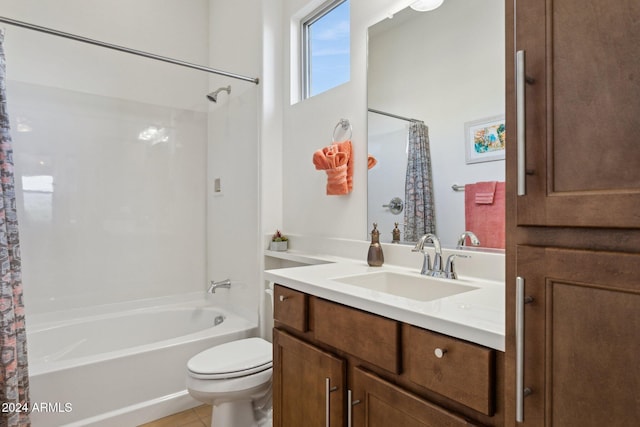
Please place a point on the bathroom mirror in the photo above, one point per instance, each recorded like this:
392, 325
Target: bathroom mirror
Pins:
446, 68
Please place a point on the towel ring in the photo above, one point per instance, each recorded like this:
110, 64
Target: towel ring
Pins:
345, 125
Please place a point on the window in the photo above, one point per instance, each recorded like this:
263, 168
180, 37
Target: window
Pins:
326, 48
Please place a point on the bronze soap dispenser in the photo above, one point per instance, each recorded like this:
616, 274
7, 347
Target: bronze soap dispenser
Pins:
375, 257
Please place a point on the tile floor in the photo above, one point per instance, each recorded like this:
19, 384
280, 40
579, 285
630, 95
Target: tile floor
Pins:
197, 417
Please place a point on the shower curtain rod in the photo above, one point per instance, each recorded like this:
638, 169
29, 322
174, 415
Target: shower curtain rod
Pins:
126, 49
395, 116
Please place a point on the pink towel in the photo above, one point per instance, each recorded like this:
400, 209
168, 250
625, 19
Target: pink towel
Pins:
485, 192
486, 218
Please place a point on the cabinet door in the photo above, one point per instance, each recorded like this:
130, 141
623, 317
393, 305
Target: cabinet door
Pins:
308, 384
581, 338
581, 107
377, 403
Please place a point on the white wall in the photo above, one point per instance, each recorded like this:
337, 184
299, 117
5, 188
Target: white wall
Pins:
308, 126
125, 218
233, 215
162, 27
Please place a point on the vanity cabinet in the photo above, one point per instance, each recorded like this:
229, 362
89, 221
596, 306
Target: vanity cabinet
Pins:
463, 371
308, 384
383, 404
367, 370
573, 231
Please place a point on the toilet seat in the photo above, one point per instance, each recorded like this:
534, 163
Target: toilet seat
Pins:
232, 360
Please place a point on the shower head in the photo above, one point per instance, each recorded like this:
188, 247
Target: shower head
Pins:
213, 96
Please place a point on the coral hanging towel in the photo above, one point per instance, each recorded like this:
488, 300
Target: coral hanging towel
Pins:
337, 161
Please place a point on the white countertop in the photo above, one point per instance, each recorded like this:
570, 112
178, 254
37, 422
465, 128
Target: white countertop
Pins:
477, 316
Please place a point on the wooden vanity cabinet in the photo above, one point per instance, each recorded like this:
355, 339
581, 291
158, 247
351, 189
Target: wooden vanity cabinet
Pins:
385, 371
382, 404
462, 371
308, 384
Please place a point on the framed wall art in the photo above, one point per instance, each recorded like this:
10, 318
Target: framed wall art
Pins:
485, 139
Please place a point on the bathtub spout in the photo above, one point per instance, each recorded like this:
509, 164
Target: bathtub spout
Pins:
226, 284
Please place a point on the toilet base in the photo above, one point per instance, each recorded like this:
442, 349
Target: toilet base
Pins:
238, 413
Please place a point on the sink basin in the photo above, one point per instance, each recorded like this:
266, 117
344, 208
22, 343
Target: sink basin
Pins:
421, 288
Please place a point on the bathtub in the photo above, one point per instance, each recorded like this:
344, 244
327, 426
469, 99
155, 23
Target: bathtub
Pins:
122, 364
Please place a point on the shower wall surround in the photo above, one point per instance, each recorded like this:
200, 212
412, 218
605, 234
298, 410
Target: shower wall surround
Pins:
112, 202
110, 151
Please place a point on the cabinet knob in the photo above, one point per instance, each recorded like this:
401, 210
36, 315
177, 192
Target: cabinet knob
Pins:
439, 352
282, 298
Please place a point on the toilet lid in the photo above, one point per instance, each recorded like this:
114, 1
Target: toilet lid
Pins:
233, 359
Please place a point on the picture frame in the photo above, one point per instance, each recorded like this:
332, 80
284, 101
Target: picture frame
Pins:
485, 139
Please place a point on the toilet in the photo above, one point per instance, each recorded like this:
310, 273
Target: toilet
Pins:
235, 378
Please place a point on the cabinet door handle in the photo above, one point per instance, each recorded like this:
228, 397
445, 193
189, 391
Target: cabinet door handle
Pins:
520, 122
327, 392
283, 298
521, 391
350, 404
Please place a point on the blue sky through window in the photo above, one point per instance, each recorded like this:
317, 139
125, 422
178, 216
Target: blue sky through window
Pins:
329, 47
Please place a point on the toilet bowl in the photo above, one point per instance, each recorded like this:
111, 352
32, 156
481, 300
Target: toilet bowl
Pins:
235, 378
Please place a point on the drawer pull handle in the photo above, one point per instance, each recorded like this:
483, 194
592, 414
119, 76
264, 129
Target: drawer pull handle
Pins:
439, 352
282, 298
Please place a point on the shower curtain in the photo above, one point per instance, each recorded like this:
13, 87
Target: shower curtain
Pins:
14, 377
419, 216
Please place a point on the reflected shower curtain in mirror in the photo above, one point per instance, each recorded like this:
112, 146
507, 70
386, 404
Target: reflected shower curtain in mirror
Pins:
14, 378
419, 217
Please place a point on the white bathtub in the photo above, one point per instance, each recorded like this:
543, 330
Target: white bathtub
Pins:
121, 364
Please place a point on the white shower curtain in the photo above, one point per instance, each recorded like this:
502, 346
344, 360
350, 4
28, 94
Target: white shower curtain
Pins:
419, 212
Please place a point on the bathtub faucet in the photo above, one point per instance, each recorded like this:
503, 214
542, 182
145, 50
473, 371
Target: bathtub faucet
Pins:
216, 285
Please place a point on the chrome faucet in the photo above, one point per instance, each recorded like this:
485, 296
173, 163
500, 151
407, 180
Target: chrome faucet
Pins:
450, 270
226, 284
463, 237
427, 269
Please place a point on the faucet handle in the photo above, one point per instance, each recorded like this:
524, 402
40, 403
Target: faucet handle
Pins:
426, 262
449, 269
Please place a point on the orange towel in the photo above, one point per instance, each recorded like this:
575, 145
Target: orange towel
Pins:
320, 160
337, 161
337, 184
345, 147
371, 161
337, 181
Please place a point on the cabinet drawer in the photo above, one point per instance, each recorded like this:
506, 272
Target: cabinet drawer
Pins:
465, 372
290, 307
369, 337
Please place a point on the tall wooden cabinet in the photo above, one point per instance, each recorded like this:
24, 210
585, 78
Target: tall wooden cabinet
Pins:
573, 213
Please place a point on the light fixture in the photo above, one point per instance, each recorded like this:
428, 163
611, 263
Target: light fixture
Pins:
426, 5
